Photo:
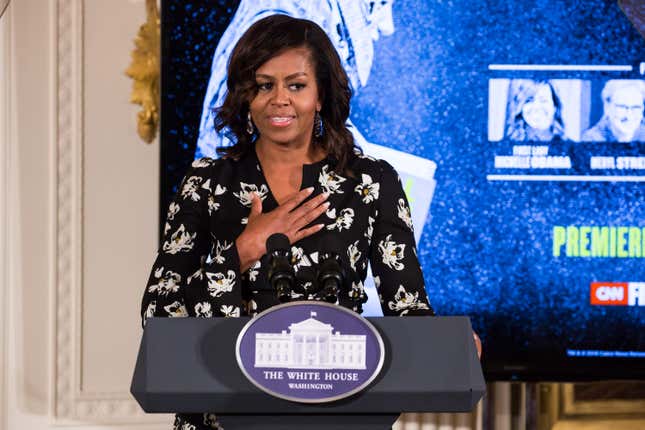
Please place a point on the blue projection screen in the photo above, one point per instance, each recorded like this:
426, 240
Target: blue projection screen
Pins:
518, 132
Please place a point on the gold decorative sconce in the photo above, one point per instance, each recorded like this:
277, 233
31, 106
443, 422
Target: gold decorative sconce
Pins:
145, 71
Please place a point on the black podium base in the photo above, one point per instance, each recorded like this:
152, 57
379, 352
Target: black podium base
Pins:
310, 422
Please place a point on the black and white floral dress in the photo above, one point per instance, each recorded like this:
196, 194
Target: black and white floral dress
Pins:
197, 270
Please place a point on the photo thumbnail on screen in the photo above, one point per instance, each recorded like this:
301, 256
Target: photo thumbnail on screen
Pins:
568, 126
528, 110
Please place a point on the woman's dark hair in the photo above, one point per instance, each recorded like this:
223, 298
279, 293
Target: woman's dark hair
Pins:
264, 40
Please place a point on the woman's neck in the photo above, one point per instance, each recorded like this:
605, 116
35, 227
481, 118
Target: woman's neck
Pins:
287, 156
282, 166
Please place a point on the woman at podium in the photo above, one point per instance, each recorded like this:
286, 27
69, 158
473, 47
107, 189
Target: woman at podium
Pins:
294, 170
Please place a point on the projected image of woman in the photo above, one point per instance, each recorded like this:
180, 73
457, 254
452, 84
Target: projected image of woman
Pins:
534, 111
352, 26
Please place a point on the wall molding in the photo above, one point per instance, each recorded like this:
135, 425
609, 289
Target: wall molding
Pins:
6, 184
69, 403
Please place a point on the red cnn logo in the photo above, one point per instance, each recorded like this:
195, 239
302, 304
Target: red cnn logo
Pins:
609, 293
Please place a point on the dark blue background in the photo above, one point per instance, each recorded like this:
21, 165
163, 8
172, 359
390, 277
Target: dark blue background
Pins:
487, 250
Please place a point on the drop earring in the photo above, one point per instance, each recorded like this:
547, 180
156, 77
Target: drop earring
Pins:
249, 124
319, 129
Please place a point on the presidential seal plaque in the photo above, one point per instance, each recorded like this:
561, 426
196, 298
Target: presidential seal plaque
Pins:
310, 352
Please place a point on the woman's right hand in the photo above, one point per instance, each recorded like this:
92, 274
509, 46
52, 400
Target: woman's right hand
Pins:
289, 218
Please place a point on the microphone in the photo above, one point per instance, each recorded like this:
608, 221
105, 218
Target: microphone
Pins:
331, 277
281, 275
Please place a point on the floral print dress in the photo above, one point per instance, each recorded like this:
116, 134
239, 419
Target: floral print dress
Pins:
197, 269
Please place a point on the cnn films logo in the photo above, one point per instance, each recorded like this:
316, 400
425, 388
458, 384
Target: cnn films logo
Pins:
310, 352
618, 293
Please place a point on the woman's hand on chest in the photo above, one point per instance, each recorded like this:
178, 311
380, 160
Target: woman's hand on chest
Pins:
292, 218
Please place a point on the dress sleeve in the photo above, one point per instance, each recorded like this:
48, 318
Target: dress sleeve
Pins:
190, 258
393, 256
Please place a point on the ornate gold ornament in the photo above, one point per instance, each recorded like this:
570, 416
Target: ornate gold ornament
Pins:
145, 72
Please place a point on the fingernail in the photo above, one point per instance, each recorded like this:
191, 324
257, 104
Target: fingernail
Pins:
309, 190
325, 205
325, 194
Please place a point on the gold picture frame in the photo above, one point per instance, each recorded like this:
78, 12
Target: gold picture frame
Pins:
613, 405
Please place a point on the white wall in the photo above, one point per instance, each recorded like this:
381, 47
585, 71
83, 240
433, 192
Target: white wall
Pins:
5, 133
79, 214
120, 197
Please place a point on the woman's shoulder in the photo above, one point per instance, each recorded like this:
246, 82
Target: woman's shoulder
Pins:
210, 175
208, 162
366, 164
213, 167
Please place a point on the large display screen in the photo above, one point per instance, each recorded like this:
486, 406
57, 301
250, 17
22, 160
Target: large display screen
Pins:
518, 132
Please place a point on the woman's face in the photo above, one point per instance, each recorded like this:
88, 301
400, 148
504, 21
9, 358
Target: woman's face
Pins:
287, 98
538, 111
